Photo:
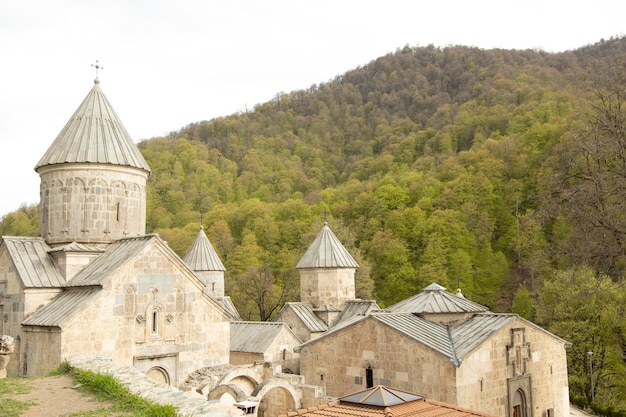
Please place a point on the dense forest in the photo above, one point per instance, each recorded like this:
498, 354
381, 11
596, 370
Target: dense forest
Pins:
500, 172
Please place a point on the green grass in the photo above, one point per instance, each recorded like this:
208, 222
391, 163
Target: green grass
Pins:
103, 387
8, 406
10, 386
107, 388
13, 408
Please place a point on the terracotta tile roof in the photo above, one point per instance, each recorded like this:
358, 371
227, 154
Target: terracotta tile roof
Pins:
421, 407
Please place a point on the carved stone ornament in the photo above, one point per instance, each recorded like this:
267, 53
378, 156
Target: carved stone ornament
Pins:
169, 317
7, 345
141, 318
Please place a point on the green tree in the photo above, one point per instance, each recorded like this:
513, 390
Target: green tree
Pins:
587, 310
585, 182
523, 303
22, 222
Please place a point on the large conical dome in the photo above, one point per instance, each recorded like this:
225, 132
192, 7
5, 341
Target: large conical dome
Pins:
94, 134
93, 179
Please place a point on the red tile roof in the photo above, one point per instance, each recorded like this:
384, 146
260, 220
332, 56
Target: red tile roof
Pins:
419, 407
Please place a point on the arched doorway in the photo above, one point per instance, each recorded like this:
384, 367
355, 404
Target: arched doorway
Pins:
276, 396
519, 404
520, 401
276, 401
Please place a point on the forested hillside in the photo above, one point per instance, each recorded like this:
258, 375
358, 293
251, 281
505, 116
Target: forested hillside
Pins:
501, 172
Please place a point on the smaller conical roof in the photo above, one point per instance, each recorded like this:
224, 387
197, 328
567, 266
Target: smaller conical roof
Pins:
381, 396
201, 255
94, 134
326, 251
435, 299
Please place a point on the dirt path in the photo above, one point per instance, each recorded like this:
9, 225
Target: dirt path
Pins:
54, 397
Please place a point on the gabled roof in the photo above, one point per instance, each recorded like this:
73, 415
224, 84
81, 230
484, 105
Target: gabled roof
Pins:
454, 342
304, 312
435, 299
353, 308
116, 255
326, 251
431, 334
62, 308
255, 336
34, 266
201, 255
94, 134
472, 333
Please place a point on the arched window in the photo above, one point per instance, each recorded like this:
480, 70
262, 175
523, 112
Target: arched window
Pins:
155, 321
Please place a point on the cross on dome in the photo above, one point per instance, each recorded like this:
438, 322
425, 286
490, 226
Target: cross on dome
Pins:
98, 67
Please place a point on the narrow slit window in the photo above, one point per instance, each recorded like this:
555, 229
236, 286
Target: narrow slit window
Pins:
155, 321
369, 377
117, 211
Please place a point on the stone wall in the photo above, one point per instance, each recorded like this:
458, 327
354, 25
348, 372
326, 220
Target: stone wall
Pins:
339, 362
41, 350
91, 204
152, 311
482, 378
187, 403
326, 286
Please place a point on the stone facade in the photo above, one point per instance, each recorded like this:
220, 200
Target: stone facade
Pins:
327, 287
484, 379
151, 313
91, 204
340, 362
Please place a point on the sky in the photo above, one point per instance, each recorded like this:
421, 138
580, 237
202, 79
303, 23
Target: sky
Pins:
166, 64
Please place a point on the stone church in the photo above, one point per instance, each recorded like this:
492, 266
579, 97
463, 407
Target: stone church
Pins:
448, 349
94, 282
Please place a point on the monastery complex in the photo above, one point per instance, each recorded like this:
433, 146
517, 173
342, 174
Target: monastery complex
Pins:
94, 283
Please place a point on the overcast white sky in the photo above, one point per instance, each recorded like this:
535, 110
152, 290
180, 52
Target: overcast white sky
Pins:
171, 63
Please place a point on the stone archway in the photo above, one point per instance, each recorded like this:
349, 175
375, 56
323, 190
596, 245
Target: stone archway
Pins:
227, 393
276, 396
158, 374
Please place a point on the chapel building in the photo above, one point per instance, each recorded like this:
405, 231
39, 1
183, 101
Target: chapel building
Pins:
93, 281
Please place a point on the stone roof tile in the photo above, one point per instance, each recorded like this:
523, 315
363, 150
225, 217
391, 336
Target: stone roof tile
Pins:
34, 266
94, 134
326, 251
202, 256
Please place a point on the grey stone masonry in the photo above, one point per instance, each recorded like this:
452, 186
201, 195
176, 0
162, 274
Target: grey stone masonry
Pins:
188, 404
